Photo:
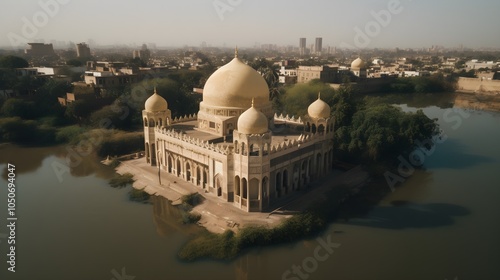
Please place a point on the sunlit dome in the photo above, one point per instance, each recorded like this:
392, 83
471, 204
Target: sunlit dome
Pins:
252, 121
358, 63
235, 85
319, 109
156, 103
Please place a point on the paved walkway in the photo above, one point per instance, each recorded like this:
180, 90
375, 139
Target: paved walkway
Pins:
217, 215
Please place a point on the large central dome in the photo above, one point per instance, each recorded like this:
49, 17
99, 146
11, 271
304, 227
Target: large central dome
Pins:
235, 85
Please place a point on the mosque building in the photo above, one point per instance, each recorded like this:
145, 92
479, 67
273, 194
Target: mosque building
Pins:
236, 147
358, 68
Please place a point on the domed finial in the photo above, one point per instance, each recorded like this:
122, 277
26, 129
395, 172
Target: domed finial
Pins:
236, 52
155, 91
319, 95
252, 101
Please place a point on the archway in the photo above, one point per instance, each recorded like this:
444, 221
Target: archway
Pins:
278, 184
188, 172
169, 164
265, 192
237, 185
218, 185
244, 188
198, 176
153, 154
178, 168
285, 181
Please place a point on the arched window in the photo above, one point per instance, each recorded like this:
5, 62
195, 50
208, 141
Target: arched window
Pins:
244, 187
237, 185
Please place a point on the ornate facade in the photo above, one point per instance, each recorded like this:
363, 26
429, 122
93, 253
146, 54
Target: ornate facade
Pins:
233, 148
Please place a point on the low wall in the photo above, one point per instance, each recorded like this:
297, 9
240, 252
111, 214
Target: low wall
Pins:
478, 85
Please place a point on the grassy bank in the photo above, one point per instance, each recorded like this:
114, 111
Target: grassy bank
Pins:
228, 245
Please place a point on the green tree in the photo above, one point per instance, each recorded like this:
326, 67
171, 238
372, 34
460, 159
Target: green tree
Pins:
299, 96
11, 61
80, 109
14, 107
383, 132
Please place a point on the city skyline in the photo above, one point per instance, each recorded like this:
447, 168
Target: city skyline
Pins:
360, 24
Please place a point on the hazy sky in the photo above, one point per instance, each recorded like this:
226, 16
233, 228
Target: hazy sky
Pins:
418, 23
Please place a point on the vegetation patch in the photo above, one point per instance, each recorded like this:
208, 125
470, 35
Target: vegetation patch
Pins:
138, 195
121, 181
192, 199
228, 245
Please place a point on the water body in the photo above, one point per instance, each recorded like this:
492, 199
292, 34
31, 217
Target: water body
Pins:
442, 223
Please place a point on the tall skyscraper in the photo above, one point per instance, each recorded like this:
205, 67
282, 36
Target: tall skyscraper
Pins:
302, 46
318, 47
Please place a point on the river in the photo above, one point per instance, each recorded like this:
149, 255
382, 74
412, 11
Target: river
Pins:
443, 222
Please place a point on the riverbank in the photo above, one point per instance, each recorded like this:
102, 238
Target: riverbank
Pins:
477, 101
218, 216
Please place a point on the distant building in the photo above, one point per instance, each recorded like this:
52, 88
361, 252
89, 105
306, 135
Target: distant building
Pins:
82, 50
318, 46
476, 64
326, 74
144, 54
287, 75
40, 49
358, 68
302, 46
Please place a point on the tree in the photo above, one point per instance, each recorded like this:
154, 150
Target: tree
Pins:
382, 132
79, 109
14, 107
74, 62
298, 97
11, 62
270, 73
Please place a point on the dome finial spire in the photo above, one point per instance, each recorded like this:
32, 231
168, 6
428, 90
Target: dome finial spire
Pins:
319, 95
236, 52
253, 101
154, 91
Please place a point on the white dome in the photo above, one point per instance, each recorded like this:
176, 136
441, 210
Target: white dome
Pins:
235, 85
156, 103
319, 109
252, 121
358, 63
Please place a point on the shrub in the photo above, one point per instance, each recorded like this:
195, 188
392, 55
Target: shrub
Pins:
122, 181
138, 195
69, 134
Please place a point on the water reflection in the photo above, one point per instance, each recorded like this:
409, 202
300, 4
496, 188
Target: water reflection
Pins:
168, 218
453, 154
30, 159
404, 215
251, 266
26, 160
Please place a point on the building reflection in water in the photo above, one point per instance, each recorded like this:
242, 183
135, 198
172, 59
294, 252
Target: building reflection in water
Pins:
168, 218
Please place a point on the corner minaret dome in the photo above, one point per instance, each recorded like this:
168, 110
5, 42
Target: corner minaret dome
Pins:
252, 121
319, 109
156, 103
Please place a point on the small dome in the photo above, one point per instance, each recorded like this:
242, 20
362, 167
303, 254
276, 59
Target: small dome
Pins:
156, 103
235, 85
358, 63
253, 121
319, 109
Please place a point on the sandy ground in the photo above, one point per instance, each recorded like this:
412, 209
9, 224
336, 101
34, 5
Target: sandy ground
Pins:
217, 215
